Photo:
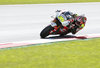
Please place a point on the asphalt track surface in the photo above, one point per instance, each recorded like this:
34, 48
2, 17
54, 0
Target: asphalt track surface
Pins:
25, 22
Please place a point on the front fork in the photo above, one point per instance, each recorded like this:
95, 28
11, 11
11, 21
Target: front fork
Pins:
58, 28
54, 25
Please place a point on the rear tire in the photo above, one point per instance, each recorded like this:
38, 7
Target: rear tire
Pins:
45, 32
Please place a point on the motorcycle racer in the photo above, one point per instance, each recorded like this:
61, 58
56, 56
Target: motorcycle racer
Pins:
65, 22
69, 21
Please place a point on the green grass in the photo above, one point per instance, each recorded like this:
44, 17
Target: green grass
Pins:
69, 54
43, 1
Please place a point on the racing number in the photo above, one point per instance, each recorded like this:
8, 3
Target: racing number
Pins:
61, 18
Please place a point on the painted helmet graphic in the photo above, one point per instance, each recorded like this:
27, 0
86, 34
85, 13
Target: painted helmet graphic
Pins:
81, 19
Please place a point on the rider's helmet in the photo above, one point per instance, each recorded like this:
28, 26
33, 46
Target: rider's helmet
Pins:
81, 20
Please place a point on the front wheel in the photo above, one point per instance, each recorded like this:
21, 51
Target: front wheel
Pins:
46, 31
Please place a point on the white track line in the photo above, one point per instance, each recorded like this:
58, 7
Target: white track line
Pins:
40, 41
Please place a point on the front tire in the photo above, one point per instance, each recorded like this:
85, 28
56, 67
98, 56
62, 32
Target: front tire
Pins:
45, 32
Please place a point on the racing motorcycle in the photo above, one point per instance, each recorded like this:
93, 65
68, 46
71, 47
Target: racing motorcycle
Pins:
55, 28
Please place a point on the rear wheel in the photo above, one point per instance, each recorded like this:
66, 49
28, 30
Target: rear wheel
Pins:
45, 32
